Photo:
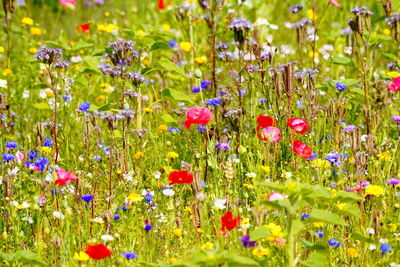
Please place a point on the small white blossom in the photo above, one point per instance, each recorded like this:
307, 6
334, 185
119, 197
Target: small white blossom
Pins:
220, 203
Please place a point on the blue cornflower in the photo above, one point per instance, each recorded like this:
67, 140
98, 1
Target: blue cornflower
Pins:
205, 84
8, 157
201, 128
41, 163
117, 217
67, 98
129, 255
385, 248
334, 243
262, 100
11, 144
84, 106
320, 234
32, 154
173, 130
47, 142
172, 43
148, 198
304, 216
195, 89
340, 86
213, 101
96, 158
87, 197
314, 155
148, 227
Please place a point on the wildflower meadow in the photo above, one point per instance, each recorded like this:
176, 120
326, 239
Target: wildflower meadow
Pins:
230, 133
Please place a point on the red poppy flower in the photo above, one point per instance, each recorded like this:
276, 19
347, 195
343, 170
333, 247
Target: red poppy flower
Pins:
302, 149
84, 28
229, 222
264, 122
197, 115
160, 4
98, 251
299, 125
180, 177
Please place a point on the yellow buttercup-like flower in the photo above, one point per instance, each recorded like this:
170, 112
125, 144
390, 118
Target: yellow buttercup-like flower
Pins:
393, 74
265, 169
172, 155
134, 197
185, 46
352, 252
374, 190
7, 72
33, 50
2, 49
147, 110
208, 246
384, 156
311, 15
27, 21
386, 32
178, 232
36, 31
81, 256
318, 224
260, 252
162, 128
138, 155
201, 60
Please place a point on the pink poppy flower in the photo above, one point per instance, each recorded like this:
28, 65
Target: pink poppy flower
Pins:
334, 3
197, 115
395, 86
276, 196
66, 3
299, 125
272, 134
20, 156
64, 177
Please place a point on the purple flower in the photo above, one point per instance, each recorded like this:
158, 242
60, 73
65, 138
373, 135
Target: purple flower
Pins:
246, 241
396, 118
393, 181
340, 86
350, 128
11, 144
205, 84
222, 146
320, 234
334, 243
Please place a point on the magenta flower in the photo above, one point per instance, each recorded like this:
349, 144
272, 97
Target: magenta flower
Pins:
65, 177
66, 3
395, 86
272, 134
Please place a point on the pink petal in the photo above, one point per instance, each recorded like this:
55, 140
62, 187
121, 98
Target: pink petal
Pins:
333, 2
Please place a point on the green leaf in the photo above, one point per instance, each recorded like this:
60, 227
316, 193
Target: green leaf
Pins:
168, 65
239, 261
117, 134
259, 233
176, 95
316, 260
81, 45
342, 61
91, 63
326, 216
297, 227
41, 105
352, 209
168, 119
28, 257
359, 237
160, 45
53, 44
343, 196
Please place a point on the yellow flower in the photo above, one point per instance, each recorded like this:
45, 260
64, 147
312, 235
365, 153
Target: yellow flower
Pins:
7, 72
260, 252
45, 150
313, 54
146, 62
188, 209
162, 128
318, 224
109, 28
140, 33
138, 155
27, 21
119, 171
386, 31
276, 231
201, 60
178, 232
265, 169
341, 206
208, 246
384, 156
81, 256
320, 164
36, 31
147, 110
352, 252
393, 74
33, 50
2, 49
106, 14
248, 186
100, 98
166, 27
185, 46
173, 260
172, 155
311, 15
374, 190
134, 197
